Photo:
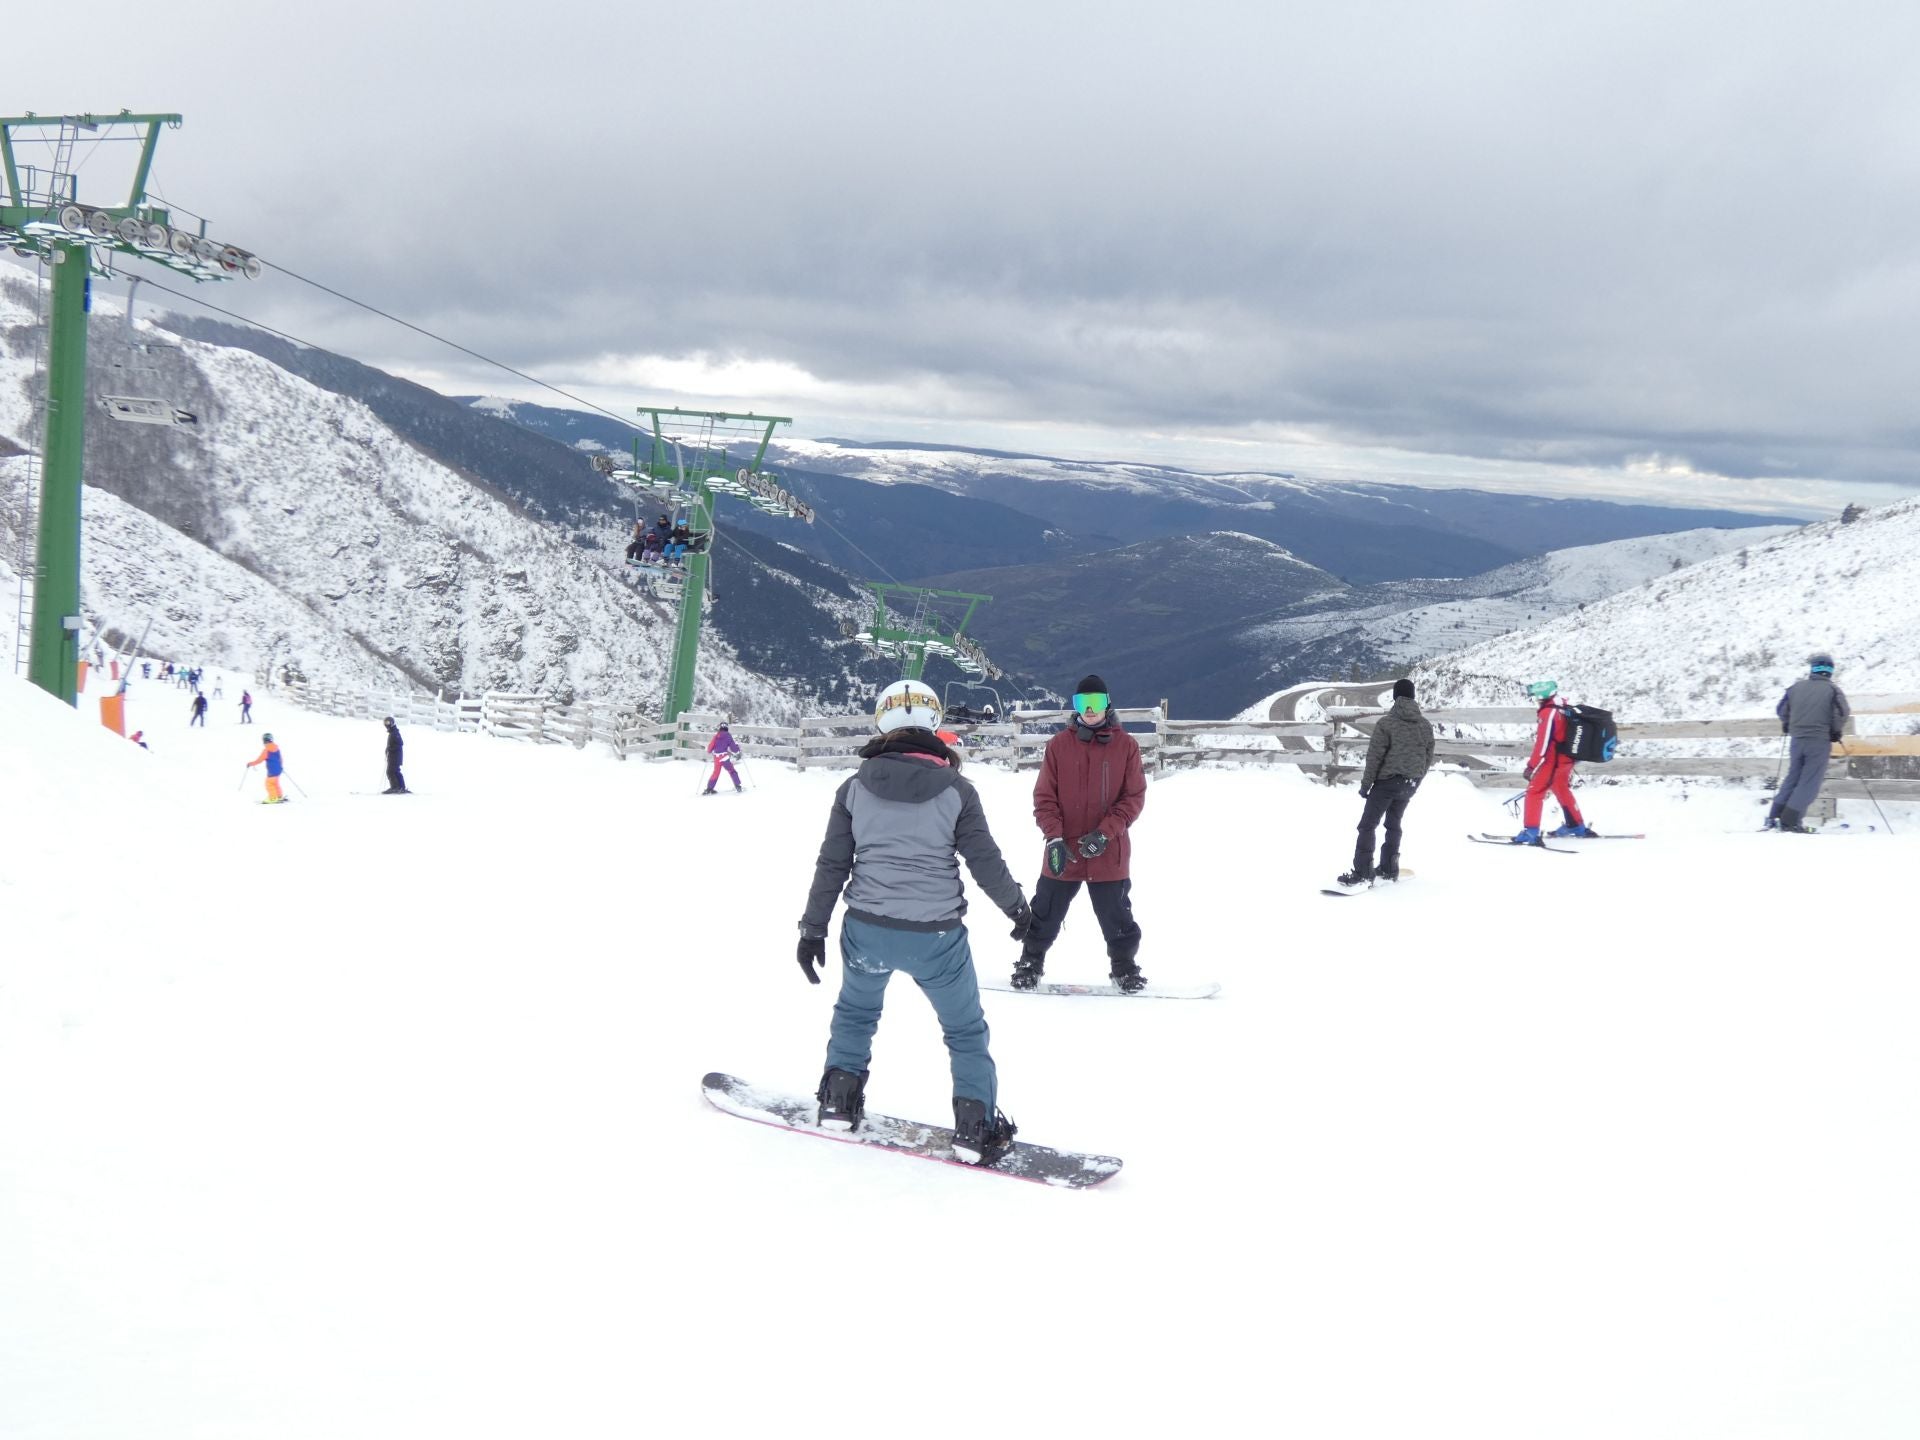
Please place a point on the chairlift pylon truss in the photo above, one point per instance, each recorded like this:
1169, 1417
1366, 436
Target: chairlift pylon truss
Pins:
687, 458
43, 217
920, 626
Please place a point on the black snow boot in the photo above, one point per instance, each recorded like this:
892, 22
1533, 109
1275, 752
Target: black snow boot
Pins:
1354, 880
978, 1139
1790, 823
1027, 970
843, 1100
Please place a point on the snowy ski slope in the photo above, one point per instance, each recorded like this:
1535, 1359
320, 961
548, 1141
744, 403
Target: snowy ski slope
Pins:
380, 1117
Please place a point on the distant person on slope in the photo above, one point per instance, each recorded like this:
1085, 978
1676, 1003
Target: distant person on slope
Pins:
395, 749
1813, 715
639, 541
1550, 768
199, 713
898, 830
1399, 753
1090, 791
246, 707
270, 756
723, 747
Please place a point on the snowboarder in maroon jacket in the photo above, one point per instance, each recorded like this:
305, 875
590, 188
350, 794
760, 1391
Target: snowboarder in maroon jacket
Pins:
1090, 791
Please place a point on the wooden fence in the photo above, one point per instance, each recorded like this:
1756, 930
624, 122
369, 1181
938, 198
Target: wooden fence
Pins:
1487, 745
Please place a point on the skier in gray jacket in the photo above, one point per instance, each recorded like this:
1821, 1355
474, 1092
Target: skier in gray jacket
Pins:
1398, 754
898, 830
1813, 716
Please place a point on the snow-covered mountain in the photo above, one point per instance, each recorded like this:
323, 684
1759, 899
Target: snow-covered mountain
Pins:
1723, 636
1396, 624
291, 526
926, 505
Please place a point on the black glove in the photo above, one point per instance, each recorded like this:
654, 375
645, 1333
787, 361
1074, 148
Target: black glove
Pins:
1527, 774
1093, 844
812, 952
1056, 858
1022, 917
1365, 790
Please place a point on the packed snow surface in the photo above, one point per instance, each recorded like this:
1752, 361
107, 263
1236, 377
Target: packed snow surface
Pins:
380, 1117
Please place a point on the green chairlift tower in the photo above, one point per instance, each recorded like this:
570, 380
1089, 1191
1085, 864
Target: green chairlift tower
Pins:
42, 217
922, 625
690, 457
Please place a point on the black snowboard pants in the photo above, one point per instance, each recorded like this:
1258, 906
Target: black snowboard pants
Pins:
394, 782
1387, 800
1112, 907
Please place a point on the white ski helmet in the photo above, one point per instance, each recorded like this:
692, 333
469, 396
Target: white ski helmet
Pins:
907, 704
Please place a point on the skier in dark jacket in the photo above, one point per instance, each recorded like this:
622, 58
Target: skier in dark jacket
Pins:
1813, 715
898, 830
199, 715
1090, 791
1399, 753
395, 749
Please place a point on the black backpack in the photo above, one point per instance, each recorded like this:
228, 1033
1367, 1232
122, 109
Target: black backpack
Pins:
1591, 734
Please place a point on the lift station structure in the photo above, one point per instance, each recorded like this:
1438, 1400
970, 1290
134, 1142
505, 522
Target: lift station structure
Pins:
43, 217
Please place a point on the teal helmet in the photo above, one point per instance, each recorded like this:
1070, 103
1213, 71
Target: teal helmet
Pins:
1544, 689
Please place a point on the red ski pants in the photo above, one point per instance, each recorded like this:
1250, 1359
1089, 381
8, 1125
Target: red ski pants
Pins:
1555, 774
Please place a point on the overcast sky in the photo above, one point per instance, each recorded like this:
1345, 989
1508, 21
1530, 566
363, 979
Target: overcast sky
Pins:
1664, 250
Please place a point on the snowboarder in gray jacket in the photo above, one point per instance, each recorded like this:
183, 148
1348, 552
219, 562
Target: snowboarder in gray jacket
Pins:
898, 830
1398, 755
1813, 716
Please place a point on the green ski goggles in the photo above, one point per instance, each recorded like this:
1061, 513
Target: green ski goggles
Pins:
1091, 700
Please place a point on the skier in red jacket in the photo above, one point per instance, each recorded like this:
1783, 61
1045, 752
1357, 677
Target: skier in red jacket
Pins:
1090, 791
1549, 769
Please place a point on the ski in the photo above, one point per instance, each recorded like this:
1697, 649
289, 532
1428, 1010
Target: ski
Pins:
1108, 989
800, 1114
1507, 841
1608, 836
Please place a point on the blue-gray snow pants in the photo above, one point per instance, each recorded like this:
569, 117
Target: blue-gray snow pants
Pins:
941, 962
1806, 771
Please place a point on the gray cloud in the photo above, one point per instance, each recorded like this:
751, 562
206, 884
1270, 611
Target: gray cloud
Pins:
1512, 232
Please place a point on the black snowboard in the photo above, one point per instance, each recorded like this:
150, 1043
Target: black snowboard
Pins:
800, 1113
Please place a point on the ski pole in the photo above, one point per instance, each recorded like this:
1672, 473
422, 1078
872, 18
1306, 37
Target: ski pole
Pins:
1867, 785
243, 777
296, 785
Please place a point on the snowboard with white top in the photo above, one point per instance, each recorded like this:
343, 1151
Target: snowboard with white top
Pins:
1106, 988
801, 1114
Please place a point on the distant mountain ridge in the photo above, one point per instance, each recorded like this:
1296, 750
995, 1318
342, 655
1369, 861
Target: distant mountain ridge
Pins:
1212, 622
1047, 509
1723, 637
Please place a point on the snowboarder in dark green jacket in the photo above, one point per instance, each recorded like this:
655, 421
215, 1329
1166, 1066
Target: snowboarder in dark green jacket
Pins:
1398, 755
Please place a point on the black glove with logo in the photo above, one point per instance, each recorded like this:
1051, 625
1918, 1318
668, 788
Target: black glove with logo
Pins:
1093, 845
1056, 858
1022, 918
812, 952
